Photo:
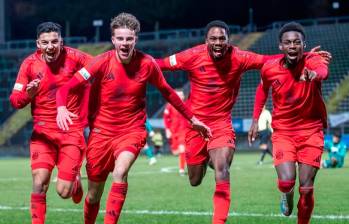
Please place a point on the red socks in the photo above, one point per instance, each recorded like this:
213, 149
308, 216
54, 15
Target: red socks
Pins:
286, 186
90, 212
115, 202
305, 204
221, 202
38, 208
181, 157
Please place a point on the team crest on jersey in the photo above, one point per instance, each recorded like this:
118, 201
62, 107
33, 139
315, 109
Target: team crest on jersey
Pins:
202, 69
276, 83
279, 155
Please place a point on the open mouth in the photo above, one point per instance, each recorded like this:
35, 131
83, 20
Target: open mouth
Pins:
292, 54
124, 51
50, 55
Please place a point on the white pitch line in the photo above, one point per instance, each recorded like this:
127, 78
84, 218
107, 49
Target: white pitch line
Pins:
185, 213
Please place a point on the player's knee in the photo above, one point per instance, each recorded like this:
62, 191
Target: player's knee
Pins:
194, 182
39, 186
93, 197
120, 173
222, 172
286, 186
63, 191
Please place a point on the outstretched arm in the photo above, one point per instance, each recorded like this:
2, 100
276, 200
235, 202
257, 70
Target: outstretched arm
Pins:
260, 100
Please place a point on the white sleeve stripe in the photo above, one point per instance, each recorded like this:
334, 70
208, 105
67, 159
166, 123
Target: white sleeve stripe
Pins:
173, 60
84, 73
18, 86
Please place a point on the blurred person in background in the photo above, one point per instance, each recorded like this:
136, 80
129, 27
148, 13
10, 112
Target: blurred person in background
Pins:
336, 149
264, 134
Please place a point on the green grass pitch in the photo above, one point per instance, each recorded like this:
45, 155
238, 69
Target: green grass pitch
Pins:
158, 195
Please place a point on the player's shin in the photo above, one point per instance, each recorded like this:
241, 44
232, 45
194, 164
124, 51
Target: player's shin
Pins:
38, 208
115, 201
287, 189
90, 211
221, 202
305, 204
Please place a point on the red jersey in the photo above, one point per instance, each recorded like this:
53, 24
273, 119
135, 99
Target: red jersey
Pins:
119, 91
297, 105
52, 76
214, 84
173, 120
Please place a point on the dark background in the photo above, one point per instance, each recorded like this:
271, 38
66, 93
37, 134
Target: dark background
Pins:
23, 15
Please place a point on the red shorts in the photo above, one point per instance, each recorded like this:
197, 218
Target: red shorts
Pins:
102, 151
306, 147
196, 149
51, 147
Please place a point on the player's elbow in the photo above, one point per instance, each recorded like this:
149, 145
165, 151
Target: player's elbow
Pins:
15, 103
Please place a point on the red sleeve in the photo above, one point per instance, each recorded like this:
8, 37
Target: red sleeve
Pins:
271, 57
316, 63
92, 69
255, 61
178, 61
19, 97
260, 100
157, 79
167, 116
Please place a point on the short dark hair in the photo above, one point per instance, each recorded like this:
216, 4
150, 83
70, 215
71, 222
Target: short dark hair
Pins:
216, 23
292, 26
48, 27
338, 134
125, 20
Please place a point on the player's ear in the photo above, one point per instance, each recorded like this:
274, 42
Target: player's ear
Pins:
304, 44
280, 46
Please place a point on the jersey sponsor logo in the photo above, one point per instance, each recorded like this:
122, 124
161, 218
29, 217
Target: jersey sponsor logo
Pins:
173, 60
84, 73
18, 86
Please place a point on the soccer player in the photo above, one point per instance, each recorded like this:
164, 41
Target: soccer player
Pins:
336, 151
175, 125
299, 116
264, 131
215, 71
40, 75
118, 120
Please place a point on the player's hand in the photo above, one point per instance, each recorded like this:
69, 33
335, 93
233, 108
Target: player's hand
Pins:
168, 133
253, 132
64, 118
308, 75
32, 87
327, 56
201, 128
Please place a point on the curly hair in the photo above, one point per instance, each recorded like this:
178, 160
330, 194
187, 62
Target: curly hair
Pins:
125, 20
